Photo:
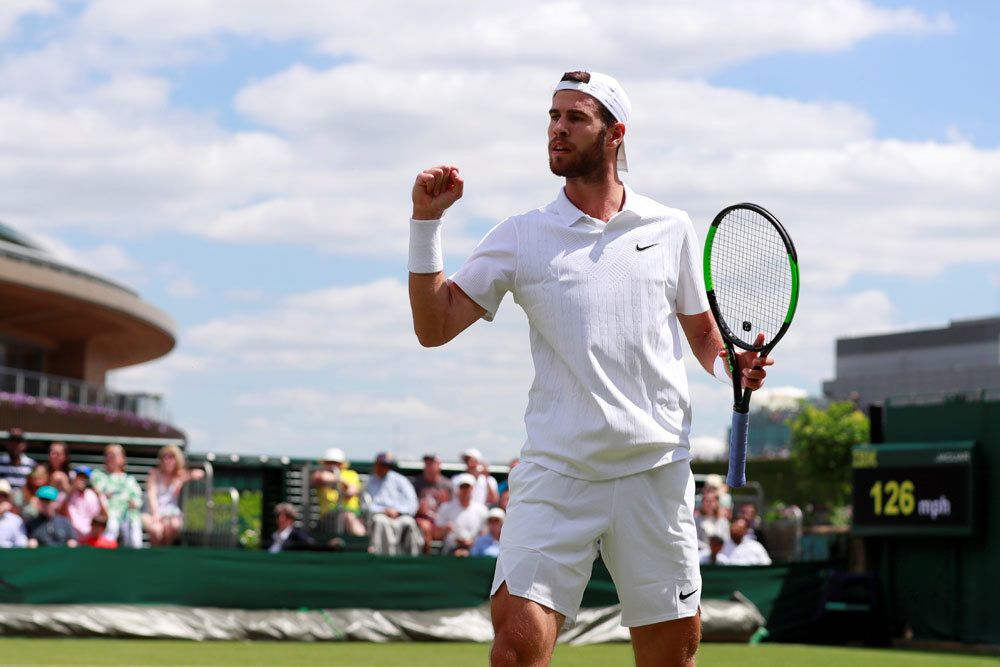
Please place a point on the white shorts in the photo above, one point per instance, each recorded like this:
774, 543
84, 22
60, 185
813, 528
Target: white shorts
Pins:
642, 524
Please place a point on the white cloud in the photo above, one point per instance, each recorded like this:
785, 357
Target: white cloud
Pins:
361, 376
655, 36
106, 259
183, 287
91, 139
86, 167
162, 376
317, 406
346, 141
707, 448
142, 92
11, 11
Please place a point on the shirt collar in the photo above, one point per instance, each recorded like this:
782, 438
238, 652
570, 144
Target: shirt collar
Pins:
569, 214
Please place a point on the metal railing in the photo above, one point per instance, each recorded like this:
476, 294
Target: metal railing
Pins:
211, 514
68, 393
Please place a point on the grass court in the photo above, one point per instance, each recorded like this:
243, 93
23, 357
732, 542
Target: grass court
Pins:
142, 653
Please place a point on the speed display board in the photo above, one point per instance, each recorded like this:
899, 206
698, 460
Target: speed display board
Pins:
914, 489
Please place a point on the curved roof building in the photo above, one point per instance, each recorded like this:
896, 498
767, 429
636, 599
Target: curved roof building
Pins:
62, 328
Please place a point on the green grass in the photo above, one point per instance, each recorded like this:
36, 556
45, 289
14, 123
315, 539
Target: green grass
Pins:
139, 653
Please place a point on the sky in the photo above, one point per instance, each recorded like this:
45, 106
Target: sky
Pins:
246, 166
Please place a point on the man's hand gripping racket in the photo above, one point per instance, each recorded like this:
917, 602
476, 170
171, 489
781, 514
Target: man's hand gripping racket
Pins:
752, 280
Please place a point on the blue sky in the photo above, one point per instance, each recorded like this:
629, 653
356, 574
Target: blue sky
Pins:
915, 86
247, 170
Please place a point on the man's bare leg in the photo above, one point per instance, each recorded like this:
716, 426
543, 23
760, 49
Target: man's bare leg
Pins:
667, 644
525, 631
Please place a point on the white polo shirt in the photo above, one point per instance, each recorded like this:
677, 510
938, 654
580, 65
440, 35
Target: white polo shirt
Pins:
610, 395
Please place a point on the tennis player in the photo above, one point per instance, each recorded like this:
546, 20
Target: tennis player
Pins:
605, 276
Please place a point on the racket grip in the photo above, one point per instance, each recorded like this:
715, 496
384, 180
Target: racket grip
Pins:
737, 475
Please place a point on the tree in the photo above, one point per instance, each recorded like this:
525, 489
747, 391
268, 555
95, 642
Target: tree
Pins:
821, 449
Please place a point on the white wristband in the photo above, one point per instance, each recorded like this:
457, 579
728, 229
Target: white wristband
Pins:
719, 371
425, 246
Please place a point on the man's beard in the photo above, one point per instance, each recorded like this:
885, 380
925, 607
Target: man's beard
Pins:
589, 164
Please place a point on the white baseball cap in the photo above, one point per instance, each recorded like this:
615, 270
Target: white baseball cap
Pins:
334, 454
497, 513
473, 452
714, 480
606, 90
462, 478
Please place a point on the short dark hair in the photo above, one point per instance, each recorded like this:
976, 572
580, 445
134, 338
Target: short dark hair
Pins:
577, 76
580, 76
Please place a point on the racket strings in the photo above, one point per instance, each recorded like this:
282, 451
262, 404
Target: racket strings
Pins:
751, 275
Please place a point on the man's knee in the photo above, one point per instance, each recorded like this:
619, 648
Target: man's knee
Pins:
672, 643
525, 632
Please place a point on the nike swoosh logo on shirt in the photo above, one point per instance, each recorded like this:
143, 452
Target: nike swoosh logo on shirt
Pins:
685, 597
645, 247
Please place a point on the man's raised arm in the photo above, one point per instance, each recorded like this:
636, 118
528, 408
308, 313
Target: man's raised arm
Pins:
441, 310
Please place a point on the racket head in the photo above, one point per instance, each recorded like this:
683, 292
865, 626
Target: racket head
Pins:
751, 276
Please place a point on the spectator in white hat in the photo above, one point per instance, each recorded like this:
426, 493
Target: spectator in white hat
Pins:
461, 519
486, 490
338, 490
12, 533
488, 544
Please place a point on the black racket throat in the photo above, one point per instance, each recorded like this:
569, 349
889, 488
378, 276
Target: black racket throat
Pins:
741, 396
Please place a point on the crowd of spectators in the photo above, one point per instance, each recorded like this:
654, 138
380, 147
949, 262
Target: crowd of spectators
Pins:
726, 538
55, 503
461, 516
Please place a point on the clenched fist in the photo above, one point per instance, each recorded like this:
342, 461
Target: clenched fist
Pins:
435, 190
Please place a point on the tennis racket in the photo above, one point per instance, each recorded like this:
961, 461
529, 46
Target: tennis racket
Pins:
752, 280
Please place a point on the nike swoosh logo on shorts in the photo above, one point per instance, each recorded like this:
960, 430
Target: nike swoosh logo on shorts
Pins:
685, 597
645, 247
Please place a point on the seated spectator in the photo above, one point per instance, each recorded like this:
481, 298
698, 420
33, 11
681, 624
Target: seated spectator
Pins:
288, 537
712, 554
433, 490
96, 537
338, 489
709, 519
15, 465
163, 518
391, 510
489, 543
504, 486
716, 481
486, 491
58, 466
49, 528
82, 503
742, 551
748, 512
123, 498
461, 519
24, 498
11, 525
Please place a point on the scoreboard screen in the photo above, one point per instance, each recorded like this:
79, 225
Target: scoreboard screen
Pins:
913, 489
